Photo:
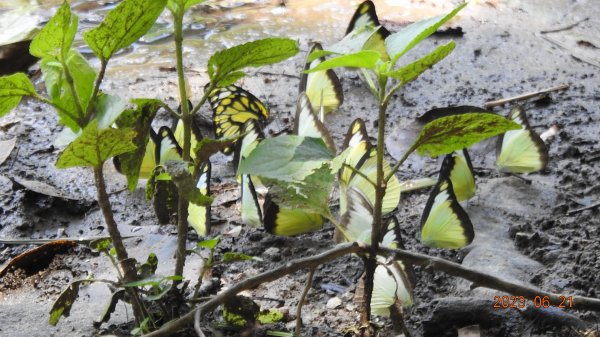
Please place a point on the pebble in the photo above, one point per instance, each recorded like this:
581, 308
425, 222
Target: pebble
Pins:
272, 254
334, 302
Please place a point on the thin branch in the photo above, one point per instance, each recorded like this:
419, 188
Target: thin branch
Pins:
71, 84
579, 210
309, 280
355, 170
370, 84
293, 266
556, 30
103, 65
400, 162
478, 278
481, 279
523, 97
172, 112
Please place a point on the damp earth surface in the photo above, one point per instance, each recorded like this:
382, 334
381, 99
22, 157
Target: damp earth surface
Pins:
529, 231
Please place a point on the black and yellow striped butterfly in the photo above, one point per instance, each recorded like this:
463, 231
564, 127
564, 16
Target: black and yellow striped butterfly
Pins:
444, 223
232, 107
362, 157
364, 16
287, 222
323, 88
521, 151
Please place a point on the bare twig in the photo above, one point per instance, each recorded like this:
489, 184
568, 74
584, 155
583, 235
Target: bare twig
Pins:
556, 30
309, 279
579, 210
478, 278
523, 97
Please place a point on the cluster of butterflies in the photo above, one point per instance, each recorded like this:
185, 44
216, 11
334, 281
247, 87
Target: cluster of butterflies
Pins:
444, 223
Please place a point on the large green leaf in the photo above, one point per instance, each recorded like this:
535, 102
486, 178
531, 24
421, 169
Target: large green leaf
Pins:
310, 195
448, 134
60, 95
252, 54
122, 26
95, 146
83, 77
186, 184
411, 71
56, 38
399, 43
362, 59
354, 41
140, 120
109, 108
286, 158
12, 89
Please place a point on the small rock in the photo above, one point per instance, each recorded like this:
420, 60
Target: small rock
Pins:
334, 302
272, 254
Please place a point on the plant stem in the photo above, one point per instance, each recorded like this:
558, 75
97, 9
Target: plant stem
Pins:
127, 264
99, 78
478, 278
186, 118
73, 90
309, 280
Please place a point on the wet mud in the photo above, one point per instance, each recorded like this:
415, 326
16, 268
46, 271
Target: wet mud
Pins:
534, 233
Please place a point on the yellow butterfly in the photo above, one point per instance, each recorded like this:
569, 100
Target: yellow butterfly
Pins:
323, 88
521, 151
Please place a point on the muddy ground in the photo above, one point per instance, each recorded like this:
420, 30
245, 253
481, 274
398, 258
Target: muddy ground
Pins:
524, 232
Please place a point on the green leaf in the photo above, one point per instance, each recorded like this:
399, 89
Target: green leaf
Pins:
240, 311
83, 77
411, 71
12, 88
399, 43
207, 147
110, 307
230, 78
448, 134
252, 54
56, 38
233, 257
153, 281
140, 120
101, 245
310, 195
354, 41
64, 302
95, 146
210, 244
362, 59
122, 26
186, 184
318, 54
286, 158
270, 316
187, 4
109, 108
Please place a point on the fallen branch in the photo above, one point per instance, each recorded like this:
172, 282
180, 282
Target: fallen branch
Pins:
579, 210
170, 328
556, 30
523, 97
479, 279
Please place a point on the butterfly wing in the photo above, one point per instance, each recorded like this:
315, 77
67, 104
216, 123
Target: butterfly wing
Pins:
366, 16
457, 166
199, 216
362, 158
307, 124
521, 151
196, 136
251, 214
444, 223
289, 222
167, 146
232, 107
323, 88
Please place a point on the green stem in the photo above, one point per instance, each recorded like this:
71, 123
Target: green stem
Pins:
401, 161
172, 112
71, 84
127, 264
355, 170
99, 78
186, 118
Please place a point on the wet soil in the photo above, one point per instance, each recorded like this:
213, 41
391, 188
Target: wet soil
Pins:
524, 231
